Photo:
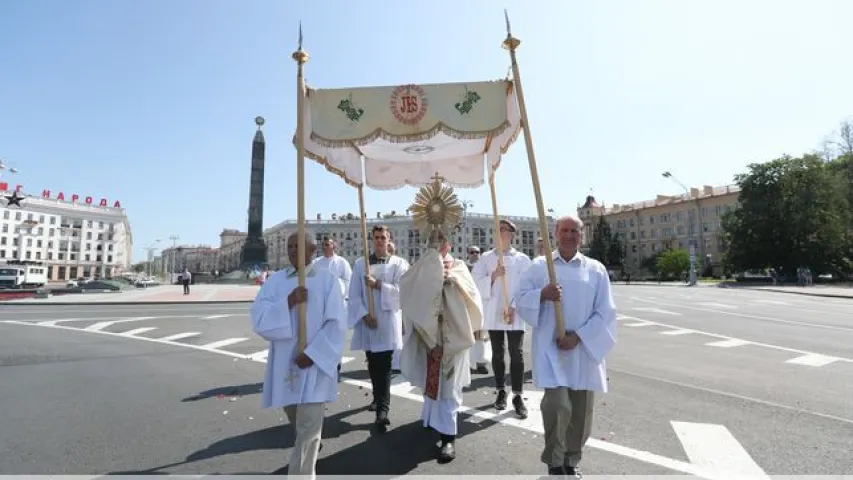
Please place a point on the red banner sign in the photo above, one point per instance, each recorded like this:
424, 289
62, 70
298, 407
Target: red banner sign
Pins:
88, 200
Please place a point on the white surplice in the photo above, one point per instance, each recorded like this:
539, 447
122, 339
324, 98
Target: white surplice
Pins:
588, 310
515, 263
340, 267
441, 414
325, 324
388, 335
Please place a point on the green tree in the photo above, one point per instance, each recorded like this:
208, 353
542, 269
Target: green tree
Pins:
606, 246
793, 212
673, 263
650, 264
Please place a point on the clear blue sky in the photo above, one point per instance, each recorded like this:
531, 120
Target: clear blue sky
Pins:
152, 102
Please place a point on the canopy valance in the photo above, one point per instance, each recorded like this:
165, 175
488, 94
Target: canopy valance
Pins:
394, 136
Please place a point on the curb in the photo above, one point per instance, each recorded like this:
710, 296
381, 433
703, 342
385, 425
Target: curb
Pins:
825, 295
189, 302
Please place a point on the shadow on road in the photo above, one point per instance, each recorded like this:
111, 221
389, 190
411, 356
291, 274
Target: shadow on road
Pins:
230, 391
397, 452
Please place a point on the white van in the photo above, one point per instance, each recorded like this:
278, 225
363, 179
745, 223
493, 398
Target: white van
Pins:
22, 276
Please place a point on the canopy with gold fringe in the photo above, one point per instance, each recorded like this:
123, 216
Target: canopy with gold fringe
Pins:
390, 137
394, 136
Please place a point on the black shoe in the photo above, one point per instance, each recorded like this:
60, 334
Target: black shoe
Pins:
572, 472
482, 369
520, 409
556, 471
500, 403
382, 421
396, 371
447, 452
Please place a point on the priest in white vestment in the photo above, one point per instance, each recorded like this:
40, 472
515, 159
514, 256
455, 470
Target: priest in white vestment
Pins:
381, 335
395, 358
500, 319
338, 265
481, 352
335, 263
570, 370
441, 311
301, 383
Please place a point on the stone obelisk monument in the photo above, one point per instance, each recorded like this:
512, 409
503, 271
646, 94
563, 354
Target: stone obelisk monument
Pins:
254, 253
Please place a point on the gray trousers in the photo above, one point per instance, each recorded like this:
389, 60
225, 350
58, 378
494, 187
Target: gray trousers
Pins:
307, 421
567, 418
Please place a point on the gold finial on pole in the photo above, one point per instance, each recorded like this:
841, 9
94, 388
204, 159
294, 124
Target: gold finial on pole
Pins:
300, 57
510, 43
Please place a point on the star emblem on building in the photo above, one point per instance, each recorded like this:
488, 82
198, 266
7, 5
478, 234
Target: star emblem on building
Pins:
14, 199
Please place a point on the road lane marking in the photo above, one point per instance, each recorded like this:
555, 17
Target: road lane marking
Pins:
211, 317
680, 331
224, 343
259, 356
103, 325
717, 305
758, 344
715, 448
179, 336
730, 343
640, 323
656, 310
51, 323
772, 302
736, 396
759, 317
639, 455
813, 360
137, 331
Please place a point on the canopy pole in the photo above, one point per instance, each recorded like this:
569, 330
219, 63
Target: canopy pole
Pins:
301, 57
511, 43
498, 248
366, 248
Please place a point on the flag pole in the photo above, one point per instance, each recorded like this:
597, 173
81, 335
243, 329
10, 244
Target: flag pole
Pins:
301, 57
511, 44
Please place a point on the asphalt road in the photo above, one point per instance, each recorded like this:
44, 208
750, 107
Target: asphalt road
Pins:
703, 381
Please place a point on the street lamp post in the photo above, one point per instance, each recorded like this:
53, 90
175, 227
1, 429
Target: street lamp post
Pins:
174, 239
151, 249
692, 281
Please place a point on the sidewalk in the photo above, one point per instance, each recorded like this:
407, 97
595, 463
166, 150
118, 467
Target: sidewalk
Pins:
814, 291
153, 295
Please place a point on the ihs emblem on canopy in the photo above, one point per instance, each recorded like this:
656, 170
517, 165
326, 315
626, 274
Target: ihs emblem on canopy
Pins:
436, 207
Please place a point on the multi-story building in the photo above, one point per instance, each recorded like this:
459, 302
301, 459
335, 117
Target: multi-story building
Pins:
477, 229
197, 258
230, 245
667, 222
73, 239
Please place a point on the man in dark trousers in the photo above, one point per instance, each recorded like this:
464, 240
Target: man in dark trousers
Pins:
186, 277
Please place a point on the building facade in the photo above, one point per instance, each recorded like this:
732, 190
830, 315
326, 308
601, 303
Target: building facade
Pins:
196, 258
477, 229
668, 222
73, 239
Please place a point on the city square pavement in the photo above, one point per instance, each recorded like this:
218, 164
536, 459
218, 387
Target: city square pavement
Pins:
704, 381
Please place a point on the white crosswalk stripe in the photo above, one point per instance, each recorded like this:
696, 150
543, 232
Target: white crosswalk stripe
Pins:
180, 336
